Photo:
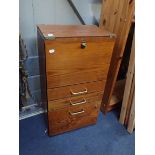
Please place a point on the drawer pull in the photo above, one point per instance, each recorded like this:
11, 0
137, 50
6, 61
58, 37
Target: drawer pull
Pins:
78, 103
77, 93
76, 113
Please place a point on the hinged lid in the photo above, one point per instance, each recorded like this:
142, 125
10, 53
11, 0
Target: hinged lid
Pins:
62, 31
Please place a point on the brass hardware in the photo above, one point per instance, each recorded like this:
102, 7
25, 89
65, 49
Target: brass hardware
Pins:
77, 93
83, 45
51, 51
76, 113
50, 36
78, 103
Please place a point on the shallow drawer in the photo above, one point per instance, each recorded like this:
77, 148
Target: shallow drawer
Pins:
67, 119
76, 101
77, 77
75, 90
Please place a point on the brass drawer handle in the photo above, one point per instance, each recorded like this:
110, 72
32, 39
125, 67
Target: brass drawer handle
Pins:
76, 113
78, 103
77, 93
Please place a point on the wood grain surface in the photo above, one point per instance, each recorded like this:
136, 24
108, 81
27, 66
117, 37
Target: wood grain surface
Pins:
70, 57
65, 31
75, 90
61, 120
77, 77
76, 100
116, 16
130, 75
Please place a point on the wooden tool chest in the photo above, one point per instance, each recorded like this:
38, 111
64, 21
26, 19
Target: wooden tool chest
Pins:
74, 62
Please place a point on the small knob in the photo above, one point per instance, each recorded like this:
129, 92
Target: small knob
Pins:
83, 45
51, 51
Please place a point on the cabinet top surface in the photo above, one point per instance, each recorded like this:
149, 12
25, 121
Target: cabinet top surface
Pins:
73, 31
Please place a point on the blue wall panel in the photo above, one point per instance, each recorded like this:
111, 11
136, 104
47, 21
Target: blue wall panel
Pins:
34, 82
31, 13
26, 26
32, 65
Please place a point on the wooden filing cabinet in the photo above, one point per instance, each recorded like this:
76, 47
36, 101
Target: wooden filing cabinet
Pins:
74, 62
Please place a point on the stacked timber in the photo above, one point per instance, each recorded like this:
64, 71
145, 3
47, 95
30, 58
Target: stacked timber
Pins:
116, 16
127, 115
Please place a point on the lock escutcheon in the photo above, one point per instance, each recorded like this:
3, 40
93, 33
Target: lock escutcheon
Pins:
83, 45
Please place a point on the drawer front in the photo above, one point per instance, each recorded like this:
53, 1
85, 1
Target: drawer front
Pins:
66, 56
75, 90
77, 77
67, 119
74, 102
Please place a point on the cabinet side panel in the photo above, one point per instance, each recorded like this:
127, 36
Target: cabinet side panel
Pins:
42, 68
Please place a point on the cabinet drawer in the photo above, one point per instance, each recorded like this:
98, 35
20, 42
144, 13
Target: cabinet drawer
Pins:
76, 101
67, 119
75, 90
77, 77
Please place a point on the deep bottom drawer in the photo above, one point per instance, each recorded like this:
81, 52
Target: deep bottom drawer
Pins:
64, 120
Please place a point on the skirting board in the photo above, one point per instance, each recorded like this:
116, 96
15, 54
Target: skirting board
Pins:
40, 111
